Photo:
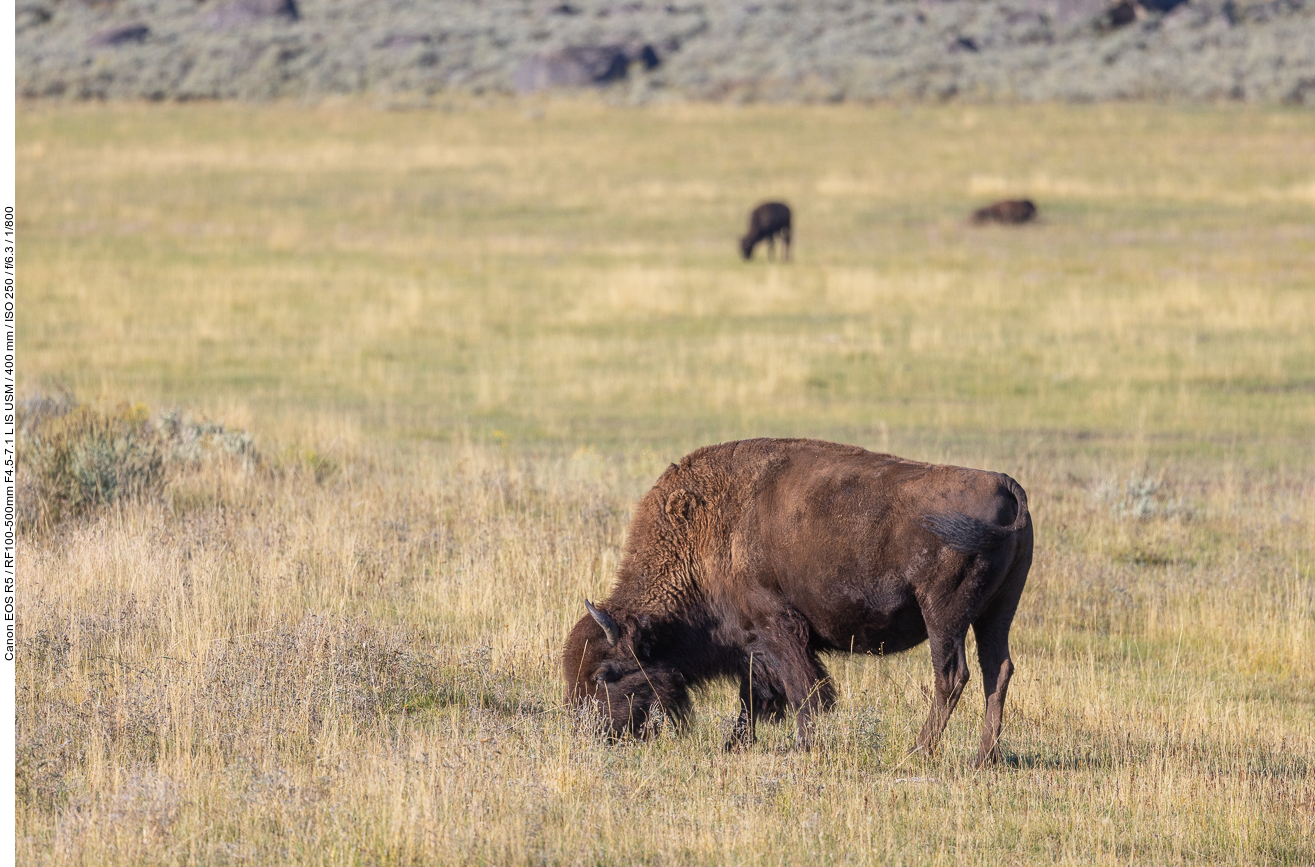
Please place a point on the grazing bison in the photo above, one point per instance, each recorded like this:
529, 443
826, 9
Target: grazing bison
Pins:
767, 221
749, 559
1010, 212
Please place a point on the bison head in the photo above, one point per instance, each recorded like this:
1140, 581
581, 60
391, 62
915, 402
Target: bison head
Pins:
613, 665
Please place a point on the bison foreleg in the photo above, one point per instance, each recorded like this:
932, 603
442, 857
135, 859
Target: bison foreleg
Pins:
742, 735
951, 665
782, 673
804, 680
758, 699
820, 697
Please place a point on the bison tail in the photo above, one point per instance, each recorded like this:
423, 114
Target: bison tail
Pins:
965, 533
971, 535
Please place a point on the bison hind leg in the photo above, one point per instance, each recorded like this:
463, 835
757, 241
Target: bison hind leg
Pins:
992, 631
951, 666
996, 688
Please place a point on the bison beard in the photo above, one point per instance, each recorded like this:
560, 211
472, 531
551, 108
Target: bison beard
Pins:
747, 560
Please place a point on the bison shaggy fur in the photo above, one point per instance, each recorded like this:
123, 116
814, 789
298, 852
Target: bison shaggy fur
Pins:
750, 560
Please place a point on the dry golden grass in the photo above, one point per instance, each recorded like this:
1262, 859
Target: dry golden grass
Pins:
260, 667
466, 342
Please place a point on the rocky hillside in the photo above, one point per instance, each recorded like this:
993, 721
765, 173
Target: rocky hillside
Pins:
821, 50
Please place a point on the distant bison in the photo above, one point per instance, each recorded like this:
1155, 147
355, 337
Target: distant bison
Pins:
749, 559
766, 222
1010, 212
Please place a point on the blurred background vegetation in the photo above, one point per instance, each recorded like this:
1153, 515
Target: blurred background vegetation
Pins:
411, 53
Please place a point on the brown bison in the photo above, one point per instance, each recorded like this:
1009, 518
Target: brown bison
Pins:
766, 222
1010, 212
749, 559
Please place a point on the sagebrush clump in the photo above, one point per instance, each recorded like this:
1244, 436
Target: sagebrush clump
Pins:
74, 457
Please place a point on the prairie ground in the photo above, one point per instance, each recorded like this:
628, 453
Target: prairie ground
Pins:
463, 342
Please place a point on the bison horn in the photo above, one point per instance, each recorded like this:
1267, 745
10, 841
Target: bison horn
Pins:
609, 625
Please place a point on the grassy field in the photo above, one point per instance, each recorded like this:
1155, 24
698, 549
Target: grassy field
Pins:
465, 341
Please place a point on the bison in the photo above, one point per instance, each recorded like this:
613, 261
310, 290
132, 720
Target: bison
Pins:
748, 560
1010, 212
766, 222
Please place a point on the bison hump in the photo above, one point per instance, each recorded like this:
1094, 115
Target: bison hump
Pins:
965, 533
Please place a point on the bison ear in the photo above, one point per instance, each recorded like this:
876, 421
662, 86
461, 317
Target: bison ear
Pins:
680, 506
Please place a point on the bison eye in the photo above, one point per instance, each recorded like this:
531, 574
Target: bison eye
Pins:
607, 674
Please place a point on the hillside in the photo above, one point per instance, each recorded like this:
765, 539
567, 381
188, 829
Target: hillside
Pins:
406, 51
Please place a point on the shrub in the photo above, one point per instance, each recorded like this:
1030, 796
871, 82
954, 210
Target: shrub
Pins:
74, 458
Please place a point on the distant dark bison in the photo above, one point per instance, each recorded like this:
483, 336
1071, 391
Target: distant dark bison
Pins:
1009, 212
766, 222
748, 559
